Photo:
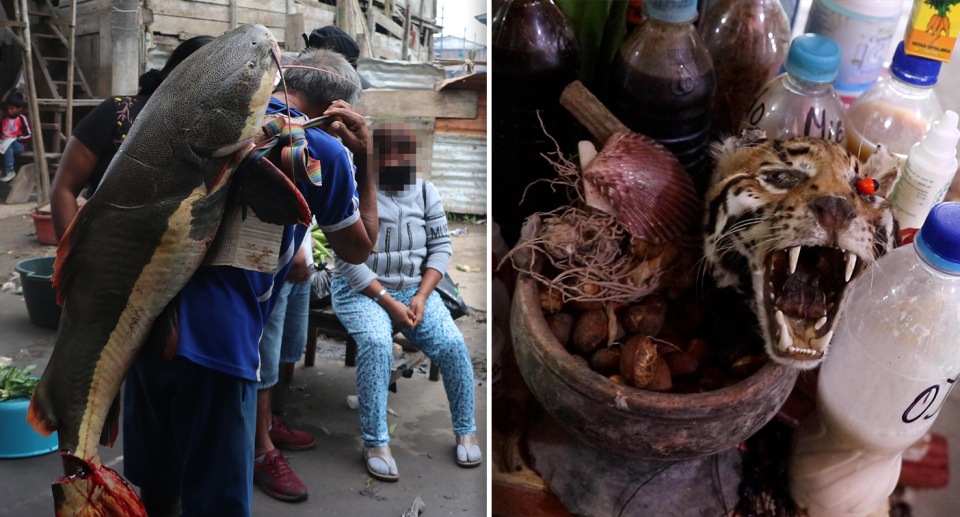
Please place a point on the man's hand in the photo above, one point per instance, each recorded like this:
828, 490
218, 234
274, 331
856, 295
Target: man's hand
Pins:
349, 126
299, 268
417, 306
400, 314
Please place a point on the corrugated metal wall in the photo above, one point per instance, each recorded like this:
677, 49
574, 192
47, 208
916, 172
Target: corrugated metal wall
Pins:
460, 172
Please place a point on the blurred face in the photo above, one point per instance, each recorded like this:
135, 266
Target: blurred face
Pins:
13, 111
396, 158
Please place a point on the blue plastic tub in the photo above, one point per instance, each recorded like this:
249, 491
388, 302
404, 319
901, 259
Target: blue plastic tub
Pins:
38, 291
17, 438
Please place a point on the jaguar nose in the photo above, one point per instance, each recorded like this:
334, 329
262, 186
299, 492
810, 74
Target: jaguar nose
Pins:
833, 213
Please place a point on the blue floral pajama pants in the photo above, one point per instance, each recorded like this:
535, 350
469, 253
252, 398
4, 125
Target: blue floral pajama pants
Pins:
436, 335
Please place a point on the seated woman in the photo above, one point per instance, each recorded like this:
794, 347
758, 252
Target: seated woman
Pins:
395, 287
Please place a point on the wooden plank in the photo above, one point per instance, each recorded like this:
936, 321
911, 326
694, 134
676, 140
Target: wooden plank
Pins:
405, 38
22, 186
174, 26
475, 126
275, 6
105, 53
418, 103
12, 23
389, 24
314, 18
295, 27
215, 12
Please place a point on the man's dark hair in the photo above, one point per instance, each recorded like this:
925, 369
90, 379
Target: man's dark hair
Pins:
322, 88
15, 99
150, 81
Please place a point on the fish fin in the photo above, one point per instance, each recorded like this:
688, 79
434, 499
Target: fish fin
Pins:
230, 149
95, 490
68, 262
162, 339
272, 196
39, 419
111, 426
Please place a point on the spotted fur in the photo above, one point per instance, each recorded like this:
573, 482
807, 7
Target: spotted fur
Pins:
768, 195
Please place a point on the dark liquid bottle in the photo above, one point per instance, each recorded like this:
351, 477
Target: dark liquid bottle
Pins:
535, 56
663, 86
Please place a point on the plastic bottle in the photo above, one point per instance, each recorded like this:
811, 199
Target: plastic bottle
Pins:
896, 111
864, 30
662, 83
536, 55
893, 360
926, 176
748, 40
802, 101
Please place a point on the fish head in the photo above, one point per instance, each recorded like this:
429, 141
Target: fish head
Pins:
222, 90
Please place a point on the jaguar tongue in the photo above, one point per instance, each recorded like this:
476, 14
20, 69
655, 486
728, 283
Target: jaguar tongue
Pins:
802, 296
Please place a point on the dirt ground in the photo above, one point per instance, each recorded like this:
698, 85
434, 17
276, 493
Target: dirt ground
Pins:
316, 401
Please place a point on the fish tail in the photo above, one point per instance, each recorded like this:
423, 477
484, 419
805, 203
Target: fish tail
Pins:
95, 490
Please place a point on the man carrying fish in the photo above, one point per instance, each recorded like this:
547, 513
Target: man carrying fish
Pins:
190, 401
222, 311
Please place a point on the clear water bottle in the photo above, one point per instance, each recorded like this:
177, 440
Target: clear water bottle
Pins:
894, 358
802, 101
896, 111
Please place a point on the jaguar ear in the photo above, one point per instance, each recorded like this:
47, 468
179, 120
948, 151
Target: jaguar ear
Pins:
747, 138
884, 167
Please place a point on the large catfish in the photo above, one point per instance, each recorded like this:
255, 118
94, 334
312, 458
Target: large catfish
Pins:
137, 242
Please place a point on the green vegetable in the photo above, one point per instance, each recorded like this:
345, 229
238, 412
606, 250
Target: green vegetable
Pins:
321, 248
601, 27
16, 382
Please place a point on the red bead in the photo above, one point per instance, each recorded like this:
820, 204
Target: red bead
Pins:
867, 186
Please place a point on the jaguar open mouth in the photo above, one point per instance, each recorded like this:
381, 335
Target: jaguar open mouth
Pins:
803, 289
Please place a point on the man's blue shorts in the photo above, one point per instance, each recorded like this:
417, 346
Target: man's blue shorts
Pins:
188, 430
285, 332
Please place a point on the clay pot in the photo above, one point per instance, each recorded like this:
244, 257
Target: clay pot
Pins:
634, 422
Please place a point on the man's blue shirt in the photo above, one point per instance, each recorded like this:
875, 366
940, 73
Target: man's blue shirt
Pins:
222, 309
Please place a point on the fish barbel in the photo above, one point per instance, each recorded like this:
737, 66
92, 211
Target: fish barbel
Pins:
136, 243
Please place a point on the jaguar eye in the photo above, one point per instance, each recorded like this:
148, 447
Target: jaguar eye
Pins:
783, 178
251, 65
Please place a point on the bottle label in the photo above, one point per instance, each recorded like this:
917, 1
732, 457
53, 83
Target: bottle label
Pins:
863, 41
815, 121
927, 403
912, 199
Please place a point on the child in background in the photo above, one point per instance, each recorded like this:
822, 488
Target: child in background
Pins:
15, 129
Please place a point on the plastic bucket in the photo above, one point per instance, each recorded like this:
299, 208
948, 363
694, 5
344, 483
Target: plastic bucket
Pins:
44, 226
38, 291
17, 438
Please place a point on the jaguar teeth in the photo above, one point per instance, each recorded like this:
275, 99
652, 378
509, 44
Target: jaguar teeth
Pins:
820, 323
851, 264
821, 343
799, 350
786, 342
794, 258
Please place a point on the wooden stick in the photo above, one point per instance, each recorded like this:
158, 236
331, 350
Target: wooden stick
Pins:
71, 64
589, 111
39, 157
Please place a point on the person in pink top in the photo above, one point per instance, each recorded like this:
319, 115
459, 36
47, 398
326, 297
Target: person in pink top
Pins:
14, 126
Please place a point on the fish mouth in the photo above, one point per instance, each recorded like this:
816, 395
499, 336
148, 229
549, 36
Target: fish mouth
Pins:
803, 290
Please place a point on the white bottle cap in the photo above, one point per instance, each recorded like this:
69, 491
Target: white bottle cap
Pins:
941, 142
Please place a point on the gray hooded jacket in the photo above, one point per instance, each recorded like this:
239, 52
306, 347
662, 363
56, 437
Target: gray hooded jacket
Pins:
408, 241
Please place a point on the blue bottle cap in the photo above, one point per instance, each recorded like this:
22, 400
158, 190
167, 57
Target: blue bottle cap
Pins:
671, 11
915, 70
939, 238
813, 58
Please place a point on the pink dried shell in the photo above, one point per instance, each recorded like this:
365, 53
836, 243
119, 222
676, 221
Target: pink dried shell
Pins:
643, 185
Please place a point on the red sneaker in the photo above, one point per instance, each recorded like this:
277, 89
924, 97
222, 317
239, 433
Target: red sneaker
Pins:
285, 438
277, 478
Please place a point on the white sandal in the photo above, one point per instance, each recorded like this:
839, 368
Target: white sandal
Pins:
384, 454
467, 441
